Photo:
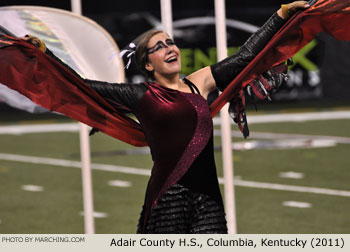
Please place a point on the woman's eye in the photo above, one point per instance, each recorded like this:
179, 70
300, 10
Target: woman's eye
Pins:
171, 42
158, 47
161, 45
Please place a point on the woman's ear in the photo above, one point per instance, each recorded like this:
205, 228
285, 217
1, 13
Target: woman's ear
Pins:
149, 67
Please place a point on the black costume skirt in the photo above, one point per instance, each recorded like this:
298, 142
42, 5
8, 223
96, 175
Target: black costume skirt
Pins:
180, 211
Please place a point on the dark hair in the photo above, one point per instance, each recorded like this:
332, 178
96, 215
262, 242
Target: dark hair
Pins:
141, 55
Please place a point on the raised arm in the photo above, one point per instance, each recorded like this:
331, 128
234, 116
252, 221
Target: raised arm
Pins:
224, 71
125, 94
220, 74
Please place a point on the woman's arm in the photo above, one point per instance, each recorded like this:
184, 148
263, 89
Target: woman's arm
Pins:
126, 94
220, 74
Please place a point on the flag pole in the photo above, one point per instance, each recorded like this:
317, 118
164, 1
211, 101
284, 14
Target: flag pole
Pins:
76, 6
85, 159
166, 16
226, 140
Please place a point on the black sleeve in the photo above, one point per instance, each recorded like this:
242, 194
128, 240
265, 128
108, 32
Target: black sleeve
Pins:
226, 70
126, 94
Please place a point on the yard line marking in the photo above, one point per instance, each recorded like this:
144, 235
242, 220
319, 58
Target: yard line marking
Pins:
292, 175
120, 183
39, 128
121, 169
283, 144
97, 214
145, 172
297, 204
75, 164
268, 135
292, 188
32, 188
294, 117
267, 118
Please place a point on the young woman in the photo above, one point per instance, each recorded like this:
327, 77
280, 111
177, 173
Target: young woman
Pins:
183, 194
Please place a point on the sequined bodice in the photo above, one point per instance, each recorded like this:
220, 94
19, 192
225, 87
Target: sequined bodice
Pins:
178, 128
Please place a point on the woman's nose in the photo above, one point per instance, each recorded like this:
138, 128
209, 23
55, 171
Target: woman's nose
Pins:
169, 49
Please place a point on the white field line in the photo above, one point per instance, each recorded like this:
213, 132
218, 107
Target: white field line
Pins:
97, 214
74, 127
286, 117
119, 183
38, 128
294, 117
291, 175
145, 172
270, 136
291, 188
284, 144
74, 164
32, 188
297, 204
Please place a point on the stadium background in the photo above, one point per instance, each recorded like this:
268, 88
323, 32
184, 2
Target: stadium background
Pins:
319, 83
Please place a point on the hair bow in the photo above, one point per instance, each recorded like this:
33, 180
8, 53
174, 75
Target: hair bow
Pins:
128, 53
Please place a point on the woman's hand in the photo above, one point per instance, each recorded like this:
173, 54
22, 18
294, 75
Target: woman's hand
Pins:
36, 42
288, 10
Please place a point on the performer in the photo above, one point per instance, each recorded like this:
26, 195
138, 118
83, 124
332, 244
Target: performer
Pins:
183, 194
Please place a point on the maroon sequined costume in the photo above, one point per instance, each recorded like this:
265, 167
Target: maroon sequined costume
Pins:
178, 128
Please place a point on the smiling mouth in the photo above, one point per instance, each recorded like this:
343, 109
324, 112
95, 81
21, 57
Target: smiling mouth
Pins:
171, 59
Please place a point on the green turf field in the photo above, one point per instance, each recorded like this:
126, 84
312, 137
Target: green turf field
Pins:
57, 208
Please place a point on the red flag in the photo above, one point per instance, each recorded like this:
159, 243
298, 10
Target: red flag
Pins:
46, 82
330, 16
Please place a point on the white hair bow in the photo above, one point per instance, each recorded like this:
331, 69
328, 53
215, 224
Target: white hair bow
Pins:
129, 52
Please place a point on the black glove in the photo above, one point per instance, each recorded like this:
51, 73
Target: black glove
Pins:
226, 70
237, 113
261, 87
268, 83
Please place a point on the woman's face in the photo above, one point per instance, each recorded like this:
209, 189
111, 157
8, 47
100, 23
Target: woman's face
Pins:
163, 55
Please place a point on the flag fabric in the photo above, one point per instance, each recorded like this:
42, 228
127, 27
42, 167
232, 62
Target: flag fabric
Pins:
25, 68
329, 16
75, 39
18, 101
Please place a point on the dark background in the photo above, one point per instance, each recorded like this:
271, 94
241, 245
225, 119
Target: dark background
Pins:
122, 18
